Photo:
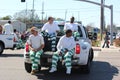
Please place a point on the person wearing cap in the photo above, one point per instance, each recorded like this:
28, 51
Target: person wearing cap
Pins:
36, 44
106, 40
8, 28
50, 29
73, 26
65, 48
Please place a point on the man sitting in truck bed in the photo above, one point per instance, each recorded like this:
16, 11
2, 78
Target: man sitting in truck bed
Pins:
74, 27
65, 47
36, 44
50, 29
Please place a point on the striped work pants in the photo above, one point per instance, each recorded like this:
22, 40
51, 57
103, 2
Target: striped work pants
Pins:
35, 58
51, 37
76, 35
67, 58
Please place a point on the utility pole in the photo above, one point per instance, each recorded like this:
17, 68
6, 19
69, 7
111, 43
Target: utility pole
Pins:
65, 15
33, 13
102, 19
42, 10
111, 27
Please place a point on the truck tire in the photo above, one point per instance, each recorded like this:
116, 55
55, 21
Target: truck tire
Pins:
28, 67
1, 48
92, 54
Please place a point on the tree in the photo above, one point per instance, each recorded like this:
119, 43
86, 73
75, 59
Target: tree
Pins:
6, 18
59, 19
26, 16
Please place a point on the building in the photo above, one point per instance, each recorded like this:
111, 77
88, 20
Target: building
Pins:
19, 26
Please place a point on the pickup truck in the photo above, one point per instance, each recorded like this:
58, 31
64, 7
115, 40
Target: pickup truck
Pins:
7, 42
81, 59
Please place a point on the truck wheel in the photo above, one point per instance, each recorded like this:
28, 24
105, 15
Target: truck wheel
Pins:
28, 67
39, 68
1, 48
92, 54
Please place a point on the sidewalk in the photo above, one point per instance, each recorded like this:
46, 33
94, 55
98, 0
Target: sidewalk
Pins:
96, 48
100, 48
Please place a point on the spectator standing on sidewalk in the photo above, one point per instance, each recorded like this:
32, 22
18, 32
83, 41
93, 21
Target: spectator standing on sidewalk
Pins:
106, 40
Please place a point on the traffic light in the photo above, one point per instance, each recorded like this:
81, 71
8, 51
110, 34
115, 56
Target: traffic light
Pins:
22, 0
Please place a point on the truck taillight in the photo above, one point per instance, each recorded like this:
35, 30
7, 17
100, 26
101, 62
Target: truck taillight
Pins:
77, 49
27, 47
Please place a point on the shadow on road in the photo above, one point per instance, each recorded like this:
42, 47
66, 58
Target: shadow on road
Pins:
99, 71
11, 55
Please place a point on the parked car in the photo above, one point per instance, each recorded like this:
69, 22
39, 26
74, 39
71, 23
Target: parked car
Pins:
7, 42
92, 35
113, 35
118, 35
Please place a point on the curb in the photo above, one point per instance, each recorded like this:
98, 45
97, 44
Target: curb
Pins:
96, 48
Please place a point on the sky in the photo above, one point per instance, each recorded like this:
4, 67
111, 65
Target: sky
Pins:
82, 11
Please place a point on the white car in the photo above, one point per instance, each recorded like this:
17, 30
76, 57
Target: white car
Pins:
81, 59
7, 42
118, 35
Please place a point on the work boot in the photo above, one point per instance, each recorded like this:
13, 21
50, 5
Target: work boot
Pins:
53, 69
33, 72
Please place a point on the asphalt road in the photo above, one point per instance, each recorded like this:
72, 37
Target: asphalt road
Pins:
105, 66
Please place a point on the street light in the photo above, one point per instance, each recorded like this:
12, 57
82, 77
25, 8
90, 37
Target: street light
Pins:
102, 19
109, 7
111, 27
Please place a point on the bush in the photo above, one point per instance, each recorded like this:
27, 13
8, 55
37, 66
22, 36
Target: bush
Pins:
95, 43
117, 42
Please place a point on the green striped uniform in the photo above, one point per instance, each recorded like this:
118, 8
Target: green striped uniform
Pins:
35, 57
67, 58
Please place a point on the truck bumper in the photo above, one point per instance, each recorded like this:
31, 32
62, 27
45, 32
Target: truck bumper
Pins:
46, 60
